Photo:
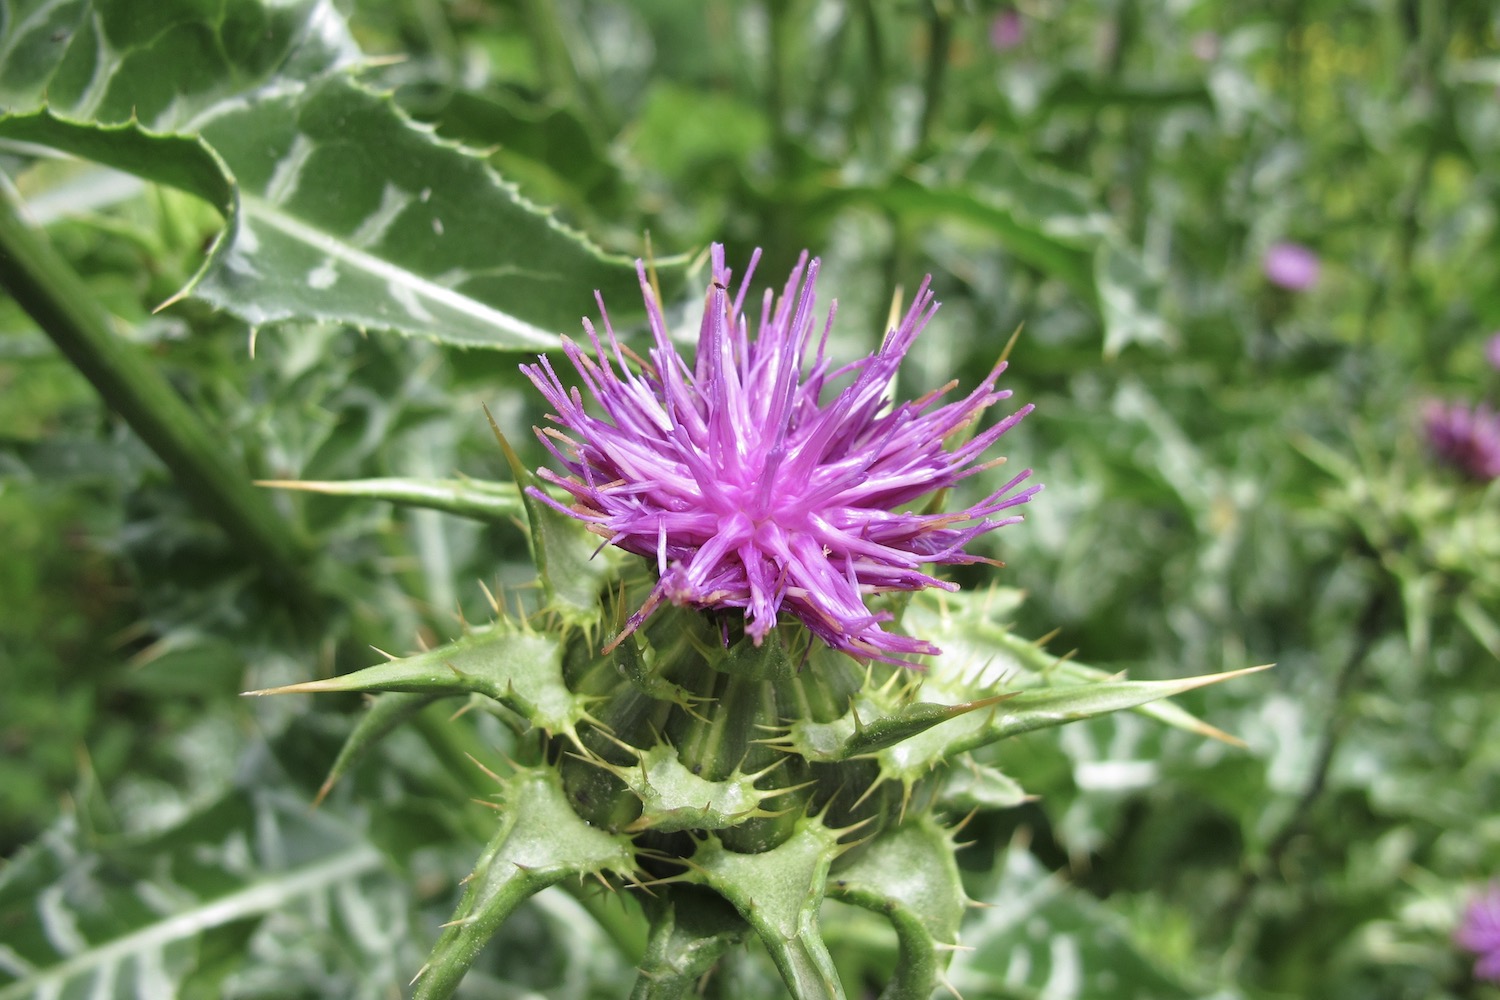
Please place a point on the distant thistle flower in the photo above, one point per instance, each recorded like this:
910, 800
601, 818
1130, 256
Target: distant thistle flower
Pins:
1291, 266
1480, 932
1007, 30
1466, 436
1492, 350
748, 489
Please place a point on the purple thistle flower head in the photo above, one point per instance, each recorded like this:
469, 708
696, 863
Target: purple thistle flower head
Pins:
1291, 266
1479, 932
1007, 30
748, 488
1465, 436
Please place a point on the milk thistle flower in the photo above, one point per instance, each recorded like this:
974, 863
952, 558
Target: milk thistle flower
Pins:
1465, 436
1291, 266
1480, 933
751, 491
1007, 30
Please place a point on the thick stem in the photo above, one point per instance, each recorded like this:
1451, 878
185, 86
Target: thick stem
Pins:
63, 306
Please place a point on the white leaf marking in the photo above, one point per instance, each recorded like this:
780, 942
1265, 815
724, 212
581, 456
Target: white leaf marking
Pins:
393, 202
288, 172
323, 276
357, 261
58, 922
262, 897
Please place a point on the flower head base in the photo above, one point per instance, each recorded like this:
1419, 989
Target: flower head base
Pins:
1465, 436
748, 489
1480, 933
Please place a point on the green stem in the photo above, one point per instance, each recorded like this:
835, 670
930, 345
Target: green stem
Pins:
1340, 716
63, 306
935, 78
691, 929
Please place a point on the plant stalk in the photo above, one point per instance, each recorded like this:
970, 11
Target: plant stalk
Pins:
57, 298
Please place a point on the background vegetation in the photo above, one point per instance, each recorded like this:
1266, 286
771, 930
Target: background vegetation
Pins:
1236, 471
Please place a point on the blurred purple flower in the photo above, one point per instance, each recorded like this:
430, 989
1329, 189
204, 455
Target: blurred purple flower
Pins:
1205, 46
748, 489
1480, 932
1492, 350
1007, 30
1291, 266
1465, 436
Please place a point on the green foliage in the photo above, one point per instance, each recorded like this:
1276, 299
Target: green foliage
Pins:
337, 207
173, 914
1235, 476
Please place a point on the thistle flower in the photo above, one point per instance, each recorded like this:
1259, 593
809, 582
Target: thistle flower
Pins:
1291, 266
1492, 350
1480, 933
1465, 436
1007, 30
751, 491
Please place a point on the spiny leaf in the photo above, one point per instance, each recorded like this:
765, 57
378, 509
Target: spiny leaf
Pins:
865, 729
165, 65
674, 798
353, 213
981, 654
779, 892
520, 669
1086, 946
690, 929
1047, 707
1038, 708
75, 920
389, 711
337, 206
909, 875
971, 785
541, 841
472, 498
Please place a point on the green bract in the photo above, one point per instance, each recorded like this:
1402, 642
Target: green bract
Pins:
733, 788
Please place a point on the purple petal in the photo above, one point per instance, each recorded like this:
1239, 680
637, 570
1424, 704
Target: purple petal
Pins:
746, 489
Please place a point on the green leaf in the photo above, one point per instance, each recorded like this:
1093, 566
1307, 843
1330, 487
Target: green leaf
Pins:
1039, 937
472, 498
674, 798
540, 842
778, 892
690, 930
1046, 219
516, 667
970, 785
387, 712
353, 213
161, 64
141, 918
909, 875
1002, 213
337, 206
1128, 299
980, 651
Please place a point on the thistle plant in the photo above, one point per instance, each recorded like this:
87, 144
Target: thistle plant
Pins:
743, 689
